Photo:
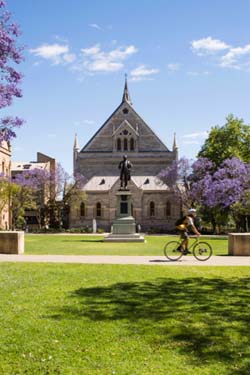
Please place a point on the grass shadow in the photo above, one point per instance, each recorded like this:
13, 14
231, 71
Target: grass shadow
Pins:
206, 319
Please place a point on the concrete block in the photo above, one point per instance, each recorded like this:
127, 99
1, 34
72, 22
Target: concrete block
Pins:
11, 242
239, 244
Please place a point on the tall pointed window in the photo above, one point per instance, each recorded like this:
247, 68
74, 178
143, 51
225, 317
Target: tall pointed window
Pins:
168, 208
152, 209
98, 209
125, 144
132, 144
119, 144
82, 209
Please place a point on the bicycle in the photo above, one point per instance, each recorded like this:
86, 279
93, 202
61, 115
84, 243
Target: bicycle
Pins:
201, 250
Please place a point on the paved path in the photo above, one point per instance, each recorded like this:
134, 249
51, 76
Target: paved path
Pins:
116, 259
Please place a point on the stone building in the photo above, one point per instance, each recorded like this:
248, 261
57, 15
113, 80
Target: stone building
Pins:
47, 164
153, 204
5, 165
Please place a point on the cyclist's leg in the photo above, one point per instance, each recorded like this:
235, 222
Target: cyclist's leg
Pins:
184, 238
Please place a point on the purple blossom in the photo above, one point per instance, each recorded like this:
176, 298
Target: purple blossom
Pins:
222, 187
10, 78
177, 172
35, 178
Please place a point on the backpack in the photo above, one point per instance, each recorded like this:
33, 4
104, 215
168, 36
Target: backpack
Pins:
180, 221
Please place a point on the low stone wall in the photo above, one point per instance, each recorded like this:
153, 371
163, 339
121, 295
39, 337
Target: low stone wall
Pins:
239, 244
11, 242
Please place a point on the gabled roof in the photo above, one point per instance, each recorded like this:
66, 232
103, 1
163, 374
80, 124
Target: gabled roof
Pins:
126, 102
125, 123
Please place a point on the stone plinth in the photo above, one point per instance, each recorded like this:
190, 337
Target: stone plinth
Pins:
11, 242
124, 227
239, 244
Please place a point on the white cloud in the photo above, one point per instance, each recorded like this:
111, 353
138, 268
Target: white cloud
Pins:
174, 67
237, 58
91, 60
96, 60
95, 26
195, 74
55, 53
203, 134
208, 46
142, 72
225, 55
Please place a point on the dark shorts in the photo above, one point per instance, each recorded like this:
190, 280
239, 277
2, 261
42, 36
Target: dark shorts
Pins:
183, 234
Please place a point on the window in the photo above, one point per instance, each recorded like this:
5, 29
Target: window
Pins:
3, 166
125, 144
119, 144
98, 209
132, 144
168, 208
82, 209
152, 209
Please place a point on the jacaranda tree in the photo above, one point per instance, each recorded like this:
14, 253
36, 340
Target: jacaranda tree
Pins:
219, 190
176, 176
10, 78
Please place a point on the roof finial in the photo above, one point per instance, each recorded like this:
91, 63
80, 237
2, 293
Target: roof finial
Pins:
76, 146
126, 96
174, 143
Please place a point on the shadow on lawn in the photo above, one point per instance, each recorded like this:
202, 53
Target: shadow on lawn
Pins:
206, 319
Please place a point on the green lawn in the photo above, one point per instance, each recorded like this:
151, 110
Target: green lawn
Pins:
124, 320
94, 245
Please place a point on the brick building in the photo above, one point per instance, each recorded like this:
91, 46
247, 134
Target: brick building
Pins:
125, 132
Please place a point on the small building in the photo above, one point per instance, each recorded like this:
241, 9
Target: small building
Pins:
154, 205
45, 163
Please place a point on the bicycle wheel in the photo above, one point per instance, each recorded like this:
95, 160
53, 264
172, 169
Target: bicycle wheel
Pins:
171, 252
202, 251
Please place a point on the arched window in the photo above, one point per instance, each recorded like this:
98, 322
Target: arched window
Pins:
119, 144
3, 166
98, 209
132, 144
125, 144
168, 208
82, 209
152, 209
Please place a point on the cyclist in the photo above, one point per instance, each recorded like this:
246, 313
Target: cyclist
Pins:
186, 223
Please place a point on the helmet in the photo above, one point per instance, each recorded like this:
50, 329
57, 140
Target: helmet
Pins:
192, 211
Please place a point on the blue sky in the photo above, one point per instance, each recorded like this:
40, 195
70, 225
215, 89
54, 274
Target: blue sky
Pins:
188, 66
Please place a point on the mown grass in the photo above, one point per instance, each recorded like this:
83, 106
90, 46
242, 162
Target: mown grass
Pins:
94, 245
124, 320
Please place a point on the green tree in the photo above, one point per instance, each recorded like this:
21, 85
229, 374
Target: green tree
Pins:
227, 141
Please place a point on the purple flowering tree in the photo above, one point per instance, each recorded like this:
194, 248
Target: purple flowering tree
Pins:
176, 177
33, 194
10, 78
218, 189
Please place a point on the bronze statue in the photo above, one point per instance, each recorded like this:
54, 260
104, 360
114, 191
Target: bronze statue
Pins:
125, 173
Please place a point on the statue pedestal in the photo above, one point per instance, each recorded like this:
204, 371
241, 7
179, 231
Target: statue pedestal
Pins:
124, 227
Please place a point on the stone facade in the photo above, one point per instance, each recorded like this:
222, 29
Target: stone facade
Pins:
5, 166
125, 132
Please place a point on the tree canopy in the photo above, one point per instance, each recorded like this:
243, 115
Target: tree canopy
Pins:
228, 141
